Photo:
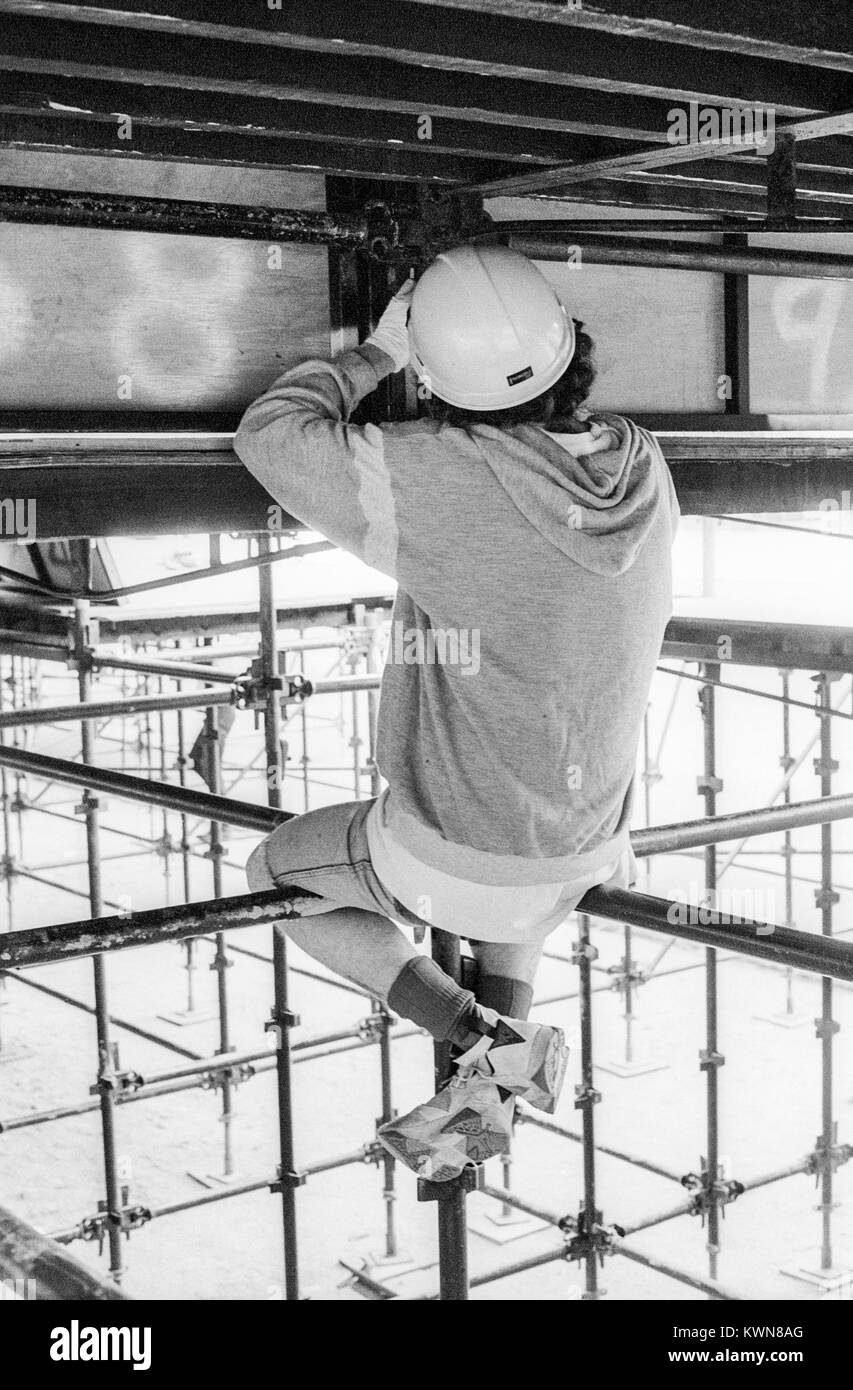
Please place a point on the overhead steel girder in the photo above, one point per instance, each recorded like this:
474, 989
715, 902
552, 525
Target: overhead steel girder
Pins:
506, 46
338, 79
201, 113
816, 36
405, 160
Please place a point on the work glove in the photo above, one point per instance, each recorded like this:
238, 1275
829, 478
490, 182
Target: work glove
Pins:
391, 333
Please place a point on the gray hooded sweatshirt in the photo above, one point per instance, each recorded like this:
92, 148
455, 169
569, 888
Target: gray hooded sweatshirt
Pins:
533, 592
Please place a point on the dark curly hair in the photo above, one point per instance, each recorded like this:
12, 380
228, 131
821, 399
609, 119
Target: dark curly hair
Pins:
558, 403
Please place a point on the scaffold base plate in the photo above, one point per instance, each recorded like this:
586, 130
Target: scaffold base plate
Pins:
785, 1020
215, 1179
806, 1267
486, 1219
628, 1069
183, 1018
386, 1267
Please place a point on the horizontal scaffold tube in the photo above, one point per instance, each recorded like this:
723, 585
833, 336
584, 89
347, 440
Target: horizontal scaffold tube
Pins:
41, 1268
198, 699
668, 839
819, 955
552, 243
126, 212
70, 940
662, 839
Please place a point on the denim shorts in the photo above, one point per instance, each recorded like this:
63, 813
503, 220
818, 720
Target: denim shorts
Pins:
326, 852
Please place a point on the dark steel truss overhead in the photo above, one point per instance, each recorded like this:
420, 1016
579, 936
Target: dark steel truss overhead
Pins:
510, 87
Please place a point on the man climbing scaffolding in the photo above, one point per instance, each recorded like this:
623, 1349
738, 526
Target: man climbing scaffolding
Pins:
510, 516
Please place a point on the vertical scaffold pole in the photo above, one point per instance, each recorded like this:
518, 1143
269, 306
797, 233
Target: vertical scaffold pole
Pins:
786, 762
189, 946
221, 962
586, 1099
826, 898
8, 860
450, 1197
283, 1019
711, 1059
389, 1193
106, 1078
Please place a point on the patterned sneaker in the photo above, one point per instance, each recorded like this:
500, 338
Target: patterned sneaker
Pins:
470, 1118
468, 1121
526, 1059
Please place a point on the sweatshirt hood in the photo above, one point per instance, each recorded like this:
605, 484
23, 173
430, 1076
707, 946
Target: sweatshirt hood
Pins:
597, 508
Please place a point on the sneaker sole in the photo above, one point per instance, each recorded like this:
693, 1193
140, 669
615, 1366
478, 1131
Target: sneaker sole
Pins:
443, 1160
543, 1092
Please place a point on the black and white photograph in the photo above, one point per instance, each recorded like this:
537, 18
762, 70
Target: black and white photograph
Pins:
426, 676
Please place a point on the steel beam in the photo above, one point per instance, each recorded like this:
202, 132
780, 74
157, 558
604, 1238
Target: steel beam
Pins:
661, 157
504, 47
818, 37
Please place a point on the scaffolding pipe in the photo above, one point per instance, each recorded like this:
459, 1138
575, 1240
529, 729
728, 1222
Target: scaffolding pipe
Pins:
197, 699
546, 245
33, 1262
711, 1059
105, 1081
663, 839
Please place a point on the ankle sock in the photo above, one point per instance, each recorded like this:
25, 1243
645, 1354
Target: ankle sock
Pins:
423, 993
511, 998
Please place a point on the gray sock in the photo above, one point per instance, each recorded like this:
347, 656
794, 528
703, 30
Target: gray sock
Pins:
512, 998
423, 993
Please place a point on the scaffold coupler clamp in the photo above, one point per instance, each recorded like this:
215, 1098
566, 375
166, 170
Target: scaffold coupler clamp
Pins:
707, 1195
287, 1180
828, 1157
582, 952
370, 1029
278, 1021
471, 1179
253, 689
585, 1236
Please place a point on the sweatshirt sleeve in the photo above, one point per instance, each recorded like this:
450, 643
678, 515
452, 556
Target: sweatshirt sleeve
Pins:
296, 440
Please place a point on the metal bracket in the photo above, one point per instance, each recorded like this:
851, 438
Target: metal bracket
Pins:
126, 1220
826, 1027
708, 1060
586, 1095
825, 767
370, 1029
252, 690
826, 897
707, 1195
580, 953
709, 784
586, 1237
281, 1019
375, 1152
469, 1180
214, 1080
284, 1181
126, 1081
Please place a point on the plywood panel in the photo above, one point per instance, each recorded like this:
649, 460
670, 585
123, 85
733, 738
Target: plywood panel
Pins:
801, 335
133, 320
658, 333
130, 320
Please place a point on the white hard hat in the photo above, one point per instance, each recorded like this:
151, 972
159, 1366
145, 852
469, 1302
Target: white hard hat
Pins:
487, 330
